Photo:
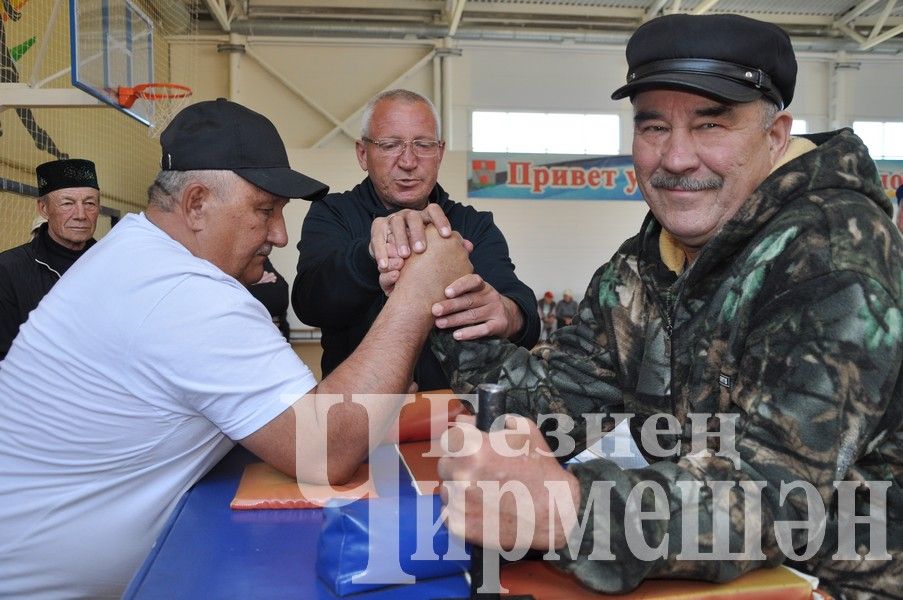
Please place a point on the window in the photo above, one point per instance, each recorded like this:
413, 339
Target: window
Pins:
883, 138
799, 127
545, 133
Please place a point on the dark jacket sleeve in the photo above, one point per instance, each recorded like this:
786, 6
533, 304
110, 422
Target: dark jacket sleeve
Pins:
9, 312
336, 277
492, 262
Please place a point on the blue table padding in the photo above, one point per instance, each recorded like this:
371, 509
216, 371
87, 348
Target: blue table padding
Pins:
369, 545
207, 550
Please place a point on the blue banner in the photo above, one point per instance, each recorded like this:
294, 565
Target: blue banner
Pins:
891, 172
580, 177
551, 177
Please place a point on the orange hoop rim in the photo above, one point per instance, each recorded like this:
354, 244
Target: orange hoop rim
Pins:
127, 95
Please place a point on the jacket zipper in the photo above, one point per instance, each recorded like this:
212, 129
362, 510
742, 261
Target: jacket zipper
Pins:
52, 270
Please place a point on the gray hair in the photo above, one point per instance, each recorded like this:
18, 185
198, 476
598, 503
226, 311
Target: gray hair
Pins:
401, 96
167, 187
769, 112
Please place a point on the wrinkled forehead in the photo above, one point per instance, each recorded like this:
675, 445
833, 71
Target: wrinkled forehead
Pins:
72, 194
674, 105
392, 115
667, 96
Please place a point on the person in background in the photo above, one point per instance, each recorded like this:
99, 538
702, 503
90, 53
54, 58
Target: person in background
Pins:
69, 203
272, 291
36, 225
345, 271
565, 309
545, 307
146, 364
760, 303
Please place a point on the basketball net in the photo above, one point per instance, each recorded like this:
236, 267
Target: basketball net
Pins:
165, 100
164, 110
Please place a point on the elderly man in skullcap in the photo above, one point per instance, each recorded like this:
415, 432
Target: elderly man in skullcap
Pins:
69, 202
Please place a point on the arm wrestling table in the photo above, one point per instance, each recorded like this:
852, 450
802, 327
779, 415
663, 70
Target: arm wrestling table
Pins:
208, 550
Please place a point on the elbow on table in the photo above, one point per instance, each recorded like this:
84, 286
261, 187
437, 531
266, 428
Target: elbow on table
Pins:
341, 474
336, 471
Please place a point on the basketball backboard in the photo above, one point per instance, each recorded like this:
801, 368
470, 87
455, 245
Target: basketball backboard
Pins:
112, 46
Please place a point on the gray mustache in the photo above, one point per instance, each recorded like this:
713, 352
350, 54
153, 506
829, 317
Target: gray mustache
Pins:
663, 180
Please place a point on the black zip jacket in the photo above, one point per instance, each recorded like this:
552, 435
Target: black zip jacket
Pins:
337, 286
27, 273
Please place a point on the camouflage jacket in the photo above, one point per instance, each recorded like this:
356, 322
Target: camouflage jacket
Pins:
789, 320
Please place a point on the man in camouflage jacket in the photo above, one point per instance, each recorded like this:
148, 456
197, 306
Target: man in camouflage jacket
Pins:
787, 320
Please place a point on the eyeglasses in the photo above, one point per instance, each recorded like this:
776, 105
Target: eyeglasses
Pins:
396, 147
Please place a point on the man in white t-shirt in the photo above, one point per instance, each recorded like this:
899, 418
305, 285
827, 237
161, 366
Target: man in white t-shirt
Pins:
149, 359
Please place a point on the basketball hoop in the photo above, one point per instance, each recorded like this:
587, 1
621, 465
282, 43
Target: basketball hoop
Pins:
166, 99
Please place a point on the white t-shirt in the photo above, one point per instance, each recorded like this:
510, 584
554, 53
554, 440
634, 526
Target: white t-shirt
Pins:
124, 387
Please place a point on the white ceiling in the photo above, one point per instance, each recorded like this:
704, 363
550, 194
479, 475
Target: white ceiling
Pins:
819, 25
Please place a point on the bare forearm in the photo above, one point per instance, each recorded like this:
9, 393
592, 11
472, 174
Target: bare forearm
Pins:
324, 436
325, 423
383, 361
381, 365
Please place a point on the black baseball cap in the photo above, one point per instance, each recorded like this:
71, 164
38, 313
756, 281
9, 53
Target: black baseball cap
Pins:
67, 173
223, 135
728, 57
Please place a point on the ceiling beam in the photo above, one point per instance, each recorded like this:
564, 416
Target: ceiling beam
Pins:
541, 10
654, 10
220, 12
434, 5
847, 24
456, 17
861, 8
879, 24
852, 33
704, 7
872, 42
553, 21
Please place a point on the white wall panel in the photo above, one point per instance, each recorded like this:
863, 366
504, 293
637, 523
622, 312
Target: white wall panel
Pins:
876, 93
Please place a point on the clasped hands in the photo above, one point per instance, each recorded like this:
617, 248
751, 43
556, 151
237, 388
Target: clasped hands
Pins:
470, 304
